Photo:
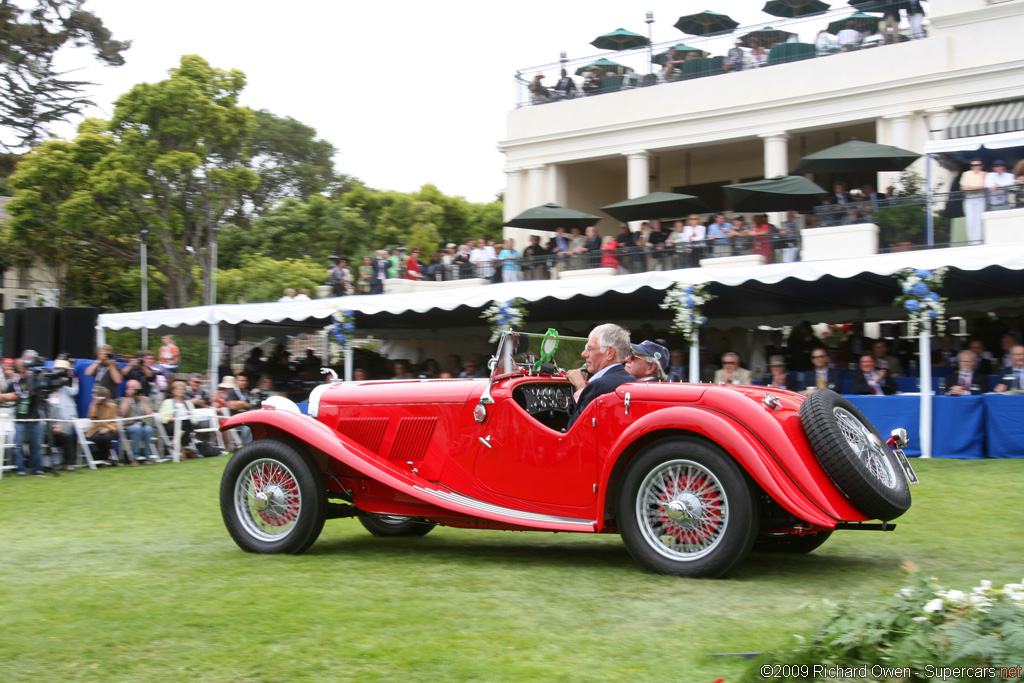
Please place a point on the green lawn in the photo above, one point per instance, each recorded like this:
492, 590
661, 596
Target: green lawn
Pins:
129, 575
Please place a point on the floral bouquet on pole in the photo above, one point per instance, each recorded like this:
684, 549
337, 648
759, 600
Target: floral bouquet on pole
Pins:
504, 316
687, 301
919, 297
341, 330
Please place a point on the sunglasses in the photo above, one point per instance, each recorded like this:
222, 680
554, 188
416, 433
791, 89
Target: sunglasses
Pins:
978, 165
819, 356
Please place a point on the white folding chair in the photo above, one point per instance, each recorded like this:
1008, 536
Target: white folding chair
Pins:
233, 435
209, 416
82, 425
6, 439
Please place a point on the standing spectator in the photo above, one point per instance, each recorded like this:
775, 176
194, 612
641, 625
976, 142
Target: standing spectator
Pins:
658, 246
534, 260
972, 184
461, 267
29, 407
577, 247
996, 182
592, 247
135, 404
884, 360
825, 44
867, 379
62, 408
224, 369
103, 429
170, 355
609, 257
448, 261
289, 295
177, 410
734, 57
849, 38
338, 278
888, 26
483, 257
143, 369
412, 265
435, 269
509, 258
303, 295
105, 370
397, 267
967, 381
380, 272
559, 246
915, 14
365, 274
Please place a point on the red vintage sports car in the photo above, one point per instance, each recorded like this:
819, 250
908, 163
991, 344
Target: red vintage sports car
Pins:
693, 476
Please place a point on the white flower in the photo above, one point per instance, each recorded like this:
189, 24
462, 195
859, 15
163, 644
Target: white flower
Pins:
919, 619
956, 596
933, 605
906, 592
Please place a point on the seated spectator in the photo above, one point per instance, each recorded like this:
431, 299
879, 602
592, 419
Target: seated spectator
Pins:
778, 378
135, 404
945, 355
194, 391
234, 395
360, 375
537, 89
648, 362
822, 376
758, 55
401, 370
566, 87
103, 429
867, 379
734, 57
967, 380
731, 372
676, 369
673, 61
825, 44
884, 360
429, 369
592, 81
1012, 379
105, 370
176, 410
849, 38
289, 295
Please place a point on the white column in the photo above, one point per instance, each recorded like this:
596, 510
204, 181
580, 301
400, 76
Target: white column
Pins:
514, 204
776, 154
938, 124
638, 173
536, 185
924, 350
558, 185
900, 130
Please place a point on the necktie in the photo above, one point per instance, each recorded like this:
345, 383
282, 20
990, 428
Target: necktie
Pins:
822, 384
1019, 374
963, 381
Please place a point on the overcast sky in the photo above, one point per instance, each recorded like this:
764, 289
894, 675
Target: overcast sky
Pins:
408, 92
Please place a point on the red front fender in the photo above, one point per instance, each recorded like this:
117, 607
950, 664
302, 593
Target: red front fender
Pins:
812, 499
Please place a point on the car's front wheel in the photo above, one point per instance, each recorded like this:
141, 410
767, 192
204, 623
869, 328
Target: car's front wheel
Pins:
396, 526
273, 498
686, 508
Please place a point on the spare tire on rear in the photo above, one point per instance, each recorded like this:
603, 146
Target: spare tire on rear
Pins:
854, 455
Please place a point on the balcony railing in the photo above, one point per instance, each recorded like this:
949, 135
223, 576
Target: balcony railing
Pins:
636, 70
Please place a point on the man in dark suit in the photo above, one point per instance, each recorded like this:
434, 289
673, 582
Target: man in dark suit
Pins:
967, 381
869, 380
822, 376
982, 364
607, 347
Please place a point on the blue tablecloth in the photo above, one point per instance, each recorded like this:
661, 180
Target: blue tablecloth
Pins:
962, 426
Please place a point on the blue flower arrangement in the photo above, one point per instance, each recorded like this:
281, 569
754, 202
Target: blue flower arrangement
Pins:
505, 315
687, 302
922, 303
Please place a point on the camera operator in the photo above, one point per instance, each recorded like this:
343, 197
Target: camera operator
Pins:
103, 430
28, 407
144, 371
61, 407
136, 405
105, 370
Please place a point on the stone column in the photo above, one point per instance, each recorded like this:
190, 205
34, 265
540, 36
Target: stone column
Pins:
938, 124
514, 203
638, 173
900, 135
776, 163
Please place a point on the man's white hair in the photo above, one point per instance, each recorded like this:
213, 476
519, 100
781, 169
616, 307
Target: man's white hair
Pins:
612, 335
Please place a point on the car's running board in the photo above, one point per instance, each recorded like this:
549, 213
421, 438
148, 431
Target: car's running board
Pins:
506, 512
866, 526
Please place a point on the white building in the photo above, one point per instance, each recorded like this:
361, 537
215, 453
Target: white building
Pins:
695, 135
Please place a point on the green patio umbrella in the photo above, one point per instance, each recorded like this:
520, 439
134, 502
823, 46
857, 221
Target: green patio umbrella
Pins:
865, 23
782, 193
603, 64
794, 8
620, 39
767, 36
552, 216
876, 5
857, 156
705, 23
656, 205
662, 57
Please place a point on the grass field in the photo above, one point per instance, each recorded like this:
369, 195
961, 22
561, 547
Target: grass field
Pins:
129, 575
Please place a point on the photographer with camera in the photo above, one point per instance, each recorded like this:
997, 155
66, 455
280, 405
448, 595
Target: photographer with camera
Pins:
103, 430
140, 431
28, 407
143, 369
62, 409
177, 409
105, 370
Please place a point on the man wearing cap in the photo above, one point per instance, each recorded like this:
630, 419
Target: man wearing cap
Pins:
778, 378
996, 182
607, 346
236, 398
61, 407
648, 362
734, 57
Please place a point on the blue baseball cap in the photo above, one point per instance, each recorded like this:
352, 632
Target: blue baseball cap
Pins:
652, 349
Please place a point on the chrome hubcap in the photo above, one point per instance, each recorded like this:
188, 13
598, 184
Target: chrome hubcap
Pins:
267, 500
867, 447
682, 510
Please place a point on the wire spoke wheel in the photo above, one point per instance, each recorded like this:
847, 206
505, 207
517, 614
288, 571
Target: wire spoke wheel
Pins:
267, 499
684, 510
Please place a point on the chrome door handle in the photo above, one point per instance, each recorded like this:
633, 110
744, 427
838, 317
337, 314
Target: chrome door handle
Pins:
487, 441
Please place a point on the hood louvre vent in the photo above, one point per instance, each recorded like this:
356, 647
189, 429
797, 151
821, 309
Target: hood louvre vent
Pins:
365, 431
412, 439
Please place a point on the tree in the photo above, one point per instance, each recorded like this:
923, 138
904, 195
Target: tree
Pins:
35, 93
264, 278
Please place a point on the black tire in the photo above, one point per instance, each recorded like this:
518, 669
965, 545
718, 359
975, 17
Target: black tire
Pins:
855, 456
386, 527
273, 498
791, 543
685, 507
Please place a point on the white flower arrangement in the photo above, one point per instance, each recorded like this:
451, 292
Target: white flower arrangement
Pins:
687, 301
505, 315
919, 297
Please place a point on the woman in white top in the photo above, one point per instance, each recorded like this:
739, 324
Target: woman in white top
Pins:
177, 409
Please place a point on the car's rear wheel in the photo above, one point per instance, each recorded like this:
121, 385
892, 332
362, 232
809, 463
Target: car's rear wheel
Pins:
791, 543
686, 508
393, 525
273, 498
854, 455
